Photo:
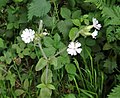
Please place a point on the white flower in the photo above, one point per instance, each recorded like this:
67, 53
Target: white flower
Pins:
95, 24
94, 34
28, 35
45, 33
74, 48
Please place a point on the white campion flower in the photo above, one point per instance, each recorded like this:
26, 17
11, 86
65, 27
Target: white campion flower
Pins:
94, 34
28, 35
96, 24
74, 48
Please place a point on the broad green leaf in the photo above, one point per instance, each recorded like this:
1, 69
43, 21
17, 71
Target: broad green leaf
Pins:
48, 78
19, 92
11, 78
26, 84
73, 33
41, 64
26, 51
107, 46
49, 21
71, 69
3, 3
76, 14
50, 51
50, 86
76, 22
71, 3
61, 61
90, 42
42, 85
38, 8
65, 13
53, 61
1, 43
64, 27
84, 52
70, 96
45, 93
48, 41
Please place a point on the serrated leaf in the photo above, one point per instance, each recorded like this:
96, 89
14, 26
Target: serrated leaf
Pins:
19, 92
38, 8
64, 27
115, 92
65, 13
41, 64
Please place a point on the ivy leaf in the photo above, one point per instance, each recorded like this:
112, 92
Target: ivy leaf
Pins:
38, 8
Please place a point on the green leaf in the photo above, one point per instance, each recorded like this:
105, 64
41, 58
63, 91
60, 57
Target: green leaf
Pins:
73, 33
48, 41
48, 78
65, 13
70, 96
3, 3
115, 92
19, 92
71, 3
71, 69
64, 27
45, 93
76, 22
50, 51
41, 64
53, 61
38, 8
42, 85
26, 51
26, 84
50, 86
90, 42
107, 46
76, 14
11, 78
1, 43
61, 61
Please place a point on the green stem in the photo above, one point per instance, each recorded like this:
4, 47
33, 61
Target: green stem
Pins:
62, 50
77, 86
44, 55
56, 11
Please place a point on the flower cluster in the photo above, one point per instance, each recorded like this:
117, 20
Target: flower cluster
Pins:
74, 48
97, 26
